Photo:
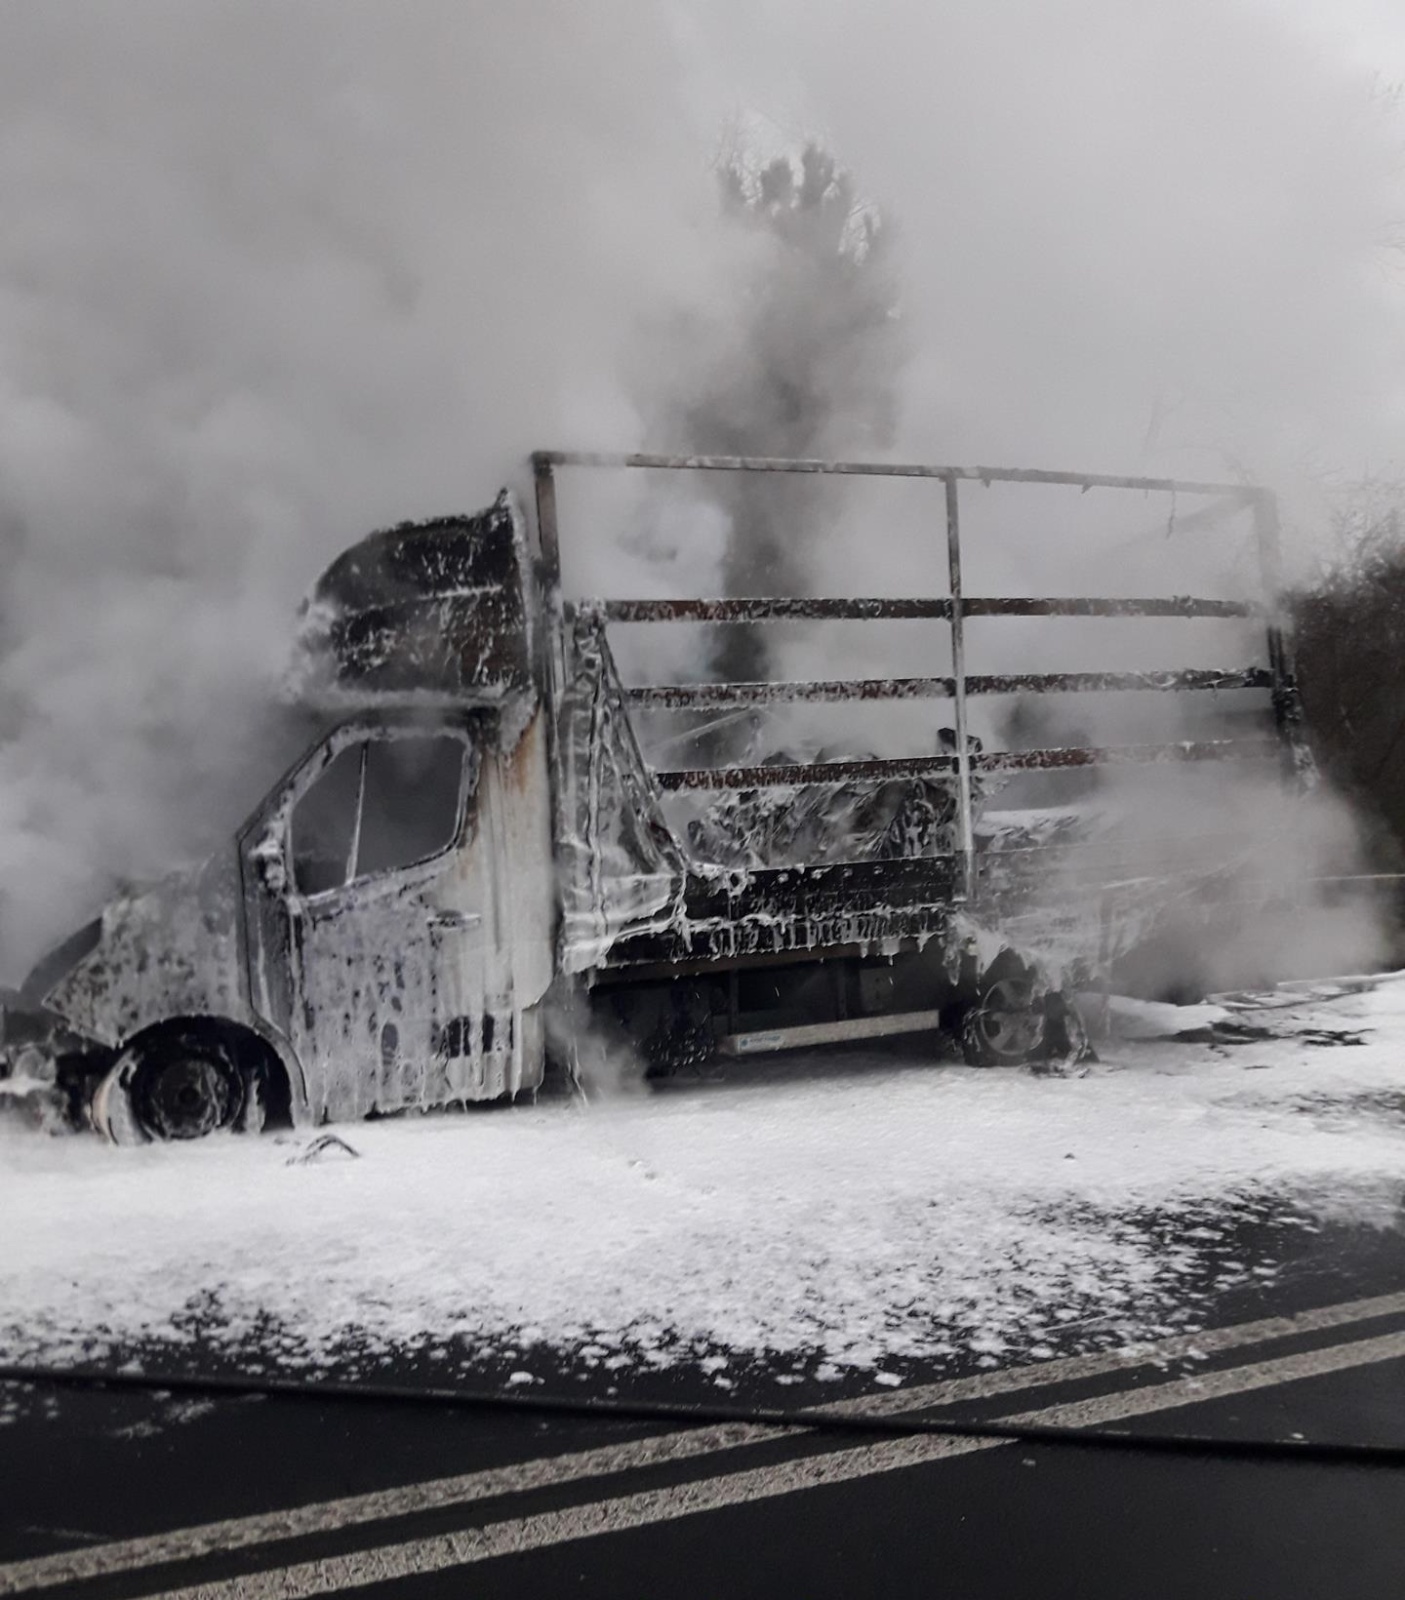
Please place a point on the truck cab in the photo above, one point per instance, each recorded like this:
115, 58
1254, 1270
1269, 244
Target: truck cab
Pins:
380, 933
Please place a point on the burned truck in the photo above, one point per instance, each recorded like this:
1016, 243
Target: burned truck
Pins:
476, 872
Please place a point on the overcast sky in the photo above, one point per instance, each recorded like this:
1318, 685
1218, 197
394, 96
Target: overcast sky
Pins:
1369, 33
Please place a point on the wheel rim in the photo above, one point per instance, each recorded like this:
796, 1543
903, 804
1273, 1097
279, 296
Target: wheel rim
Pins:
1007, 1024
186, 1097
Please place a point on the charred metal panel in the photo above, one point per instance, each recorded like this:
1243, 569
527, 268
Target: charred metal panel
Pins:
362, 974
429, 609
800, 909
364, 1022
405, 986
172, 951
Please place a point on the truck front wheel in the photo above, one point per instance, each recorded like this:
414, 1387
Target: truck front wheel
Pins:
177, 1083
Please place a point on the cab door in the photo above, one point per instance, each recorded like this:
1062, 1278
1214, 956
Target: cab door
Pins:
366, 943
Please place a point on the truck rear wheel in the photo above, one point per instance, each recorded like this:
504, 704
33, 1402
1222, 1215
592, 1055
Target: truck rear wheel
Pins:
1006, 1025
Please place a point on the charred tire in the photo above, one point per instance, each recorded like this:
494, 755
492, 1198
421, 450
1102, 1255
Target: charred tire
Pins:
1066, 1041
1007, 1024
181, 1083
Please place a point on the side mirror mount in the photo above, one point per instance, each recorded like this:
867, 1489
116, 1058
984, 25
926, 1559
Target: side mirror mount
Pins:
267, 856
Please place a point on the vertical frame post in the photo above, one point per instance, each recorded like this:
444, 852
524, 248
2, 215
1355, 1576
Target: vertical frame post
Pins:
549, 575
548, 538
1287, 712
965, 825
551, 652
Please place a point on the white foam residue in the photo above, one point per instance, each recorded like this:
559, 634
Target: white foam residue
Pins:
851, 1217
1150, 1019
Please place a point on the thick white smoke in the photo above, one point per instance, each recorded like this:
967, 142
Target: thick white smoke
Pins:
273, 275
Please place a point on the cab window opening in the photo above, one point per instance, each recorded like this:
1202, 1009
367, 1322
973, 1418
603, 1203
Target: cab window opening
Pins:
378, 806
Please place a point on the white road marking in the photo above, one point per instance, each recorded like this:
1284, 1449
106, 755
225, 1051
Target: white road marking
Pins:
1071, 1369
183, 1544
396, 1562
237, 1533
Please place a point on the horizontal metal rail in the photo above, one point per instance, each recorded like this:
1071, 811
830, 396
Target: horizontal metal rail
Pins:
1171, 605
772, 610
812, 774
888, 469
881, 609
713, 696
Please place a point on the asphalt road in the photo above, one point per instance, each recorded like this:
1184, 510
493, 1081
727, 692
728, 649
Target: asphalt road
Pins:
116, 1494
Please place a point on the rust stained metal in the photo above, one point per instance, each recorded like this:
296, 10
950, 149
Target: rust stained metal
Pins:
714, 696
800, 775
885, 609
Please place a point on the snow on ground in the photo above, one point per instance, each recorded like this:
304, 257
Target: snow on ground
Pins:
818, 1215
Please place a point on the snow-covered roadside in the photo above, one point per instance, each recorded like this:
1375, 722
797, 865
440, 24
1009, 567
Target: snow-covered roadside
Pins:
846, 1217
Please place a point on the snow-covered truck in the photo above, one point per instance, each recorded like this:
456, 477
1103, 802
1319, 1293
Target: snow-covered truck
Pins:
473, 872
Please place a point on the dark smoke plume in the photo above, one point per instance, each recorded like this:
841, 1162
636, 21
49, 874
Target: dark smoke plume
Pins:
803, 357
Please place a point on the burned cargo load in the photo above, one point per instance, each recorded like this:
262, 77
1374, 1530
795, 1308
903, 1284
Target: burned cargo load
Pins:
479, 866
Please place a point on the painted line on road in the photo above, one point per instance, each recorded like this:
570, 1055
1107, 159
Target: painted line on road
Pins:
518, 1535
328, 1516
1073, 1369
